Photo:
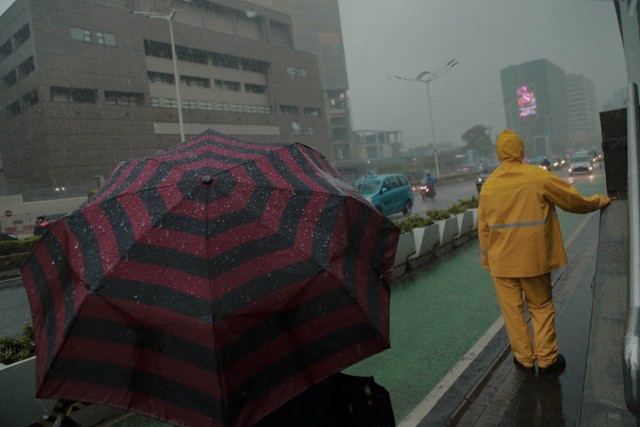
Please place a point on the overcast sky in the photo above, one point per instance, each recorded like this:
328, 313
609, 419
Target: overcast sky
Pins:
405, 37
384, 38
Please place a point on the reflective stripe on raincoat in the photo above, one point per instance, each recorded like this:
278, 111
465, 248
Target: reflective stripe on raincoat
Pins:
518, 226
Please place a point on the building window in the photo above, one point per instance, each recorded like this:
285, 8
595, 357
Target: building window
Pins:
10, 79
223, 60
14, 109
302, 72
189, 54
22, 35
309, 131
195, 81
289, 110
6, 49
80, 34
291, 71
26, 68
237, 107
264, 109
63, 94
310, 111
189, 104
251, 108
206, 105
155, 102
124, 98
252, 88
170, 103
106, 39
31, 98
228, 85
255, 66
164, 78
157, 49
223, 106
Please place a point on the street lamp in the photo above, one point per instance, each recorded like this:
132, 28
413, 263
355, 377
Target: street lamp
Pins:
427, 77
169, 18
546, 117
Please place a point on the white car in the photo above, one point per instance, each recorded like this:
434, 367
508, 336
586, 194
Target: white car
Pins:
581, 163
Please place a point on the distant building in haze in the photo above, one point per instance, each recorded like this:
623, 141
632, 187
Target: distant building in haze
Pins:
584, 120
536, 106
317, 29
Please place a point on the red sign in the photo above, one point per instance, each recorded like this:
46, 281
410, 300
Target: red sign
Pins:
8, 213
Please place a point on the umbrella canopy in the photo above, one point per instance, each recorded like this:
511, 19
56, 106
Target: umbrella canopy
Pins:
210, 283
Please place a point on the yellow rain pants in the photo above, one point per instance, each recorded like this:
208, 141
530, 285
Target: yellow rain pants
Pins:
537, 293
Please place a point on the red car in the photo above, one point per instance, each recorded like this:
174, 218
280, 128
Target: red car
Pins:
43, 222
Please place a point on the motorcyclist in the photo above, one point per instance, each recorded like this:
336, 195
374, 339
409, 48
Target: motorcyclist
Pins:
428, 183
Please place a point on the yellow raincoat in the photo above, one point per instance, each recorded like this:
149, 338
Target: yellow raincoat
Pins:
521, 242
518, 227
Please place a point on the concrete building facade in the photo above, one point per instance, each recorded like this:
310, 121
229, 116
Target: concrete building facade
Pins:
317, 30
85, 84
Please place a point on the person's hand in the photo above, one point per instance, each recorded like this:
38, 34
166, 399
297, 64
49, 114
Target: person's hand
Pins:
603, 200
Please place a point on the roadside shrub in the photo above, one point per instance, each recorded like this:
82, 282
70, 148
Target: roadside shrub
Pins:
10, 247
460, 207
409, 223
19, 348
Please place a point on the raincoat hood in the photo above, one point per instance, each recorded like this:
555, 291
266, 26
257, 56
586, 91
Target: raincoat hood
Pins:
509, 147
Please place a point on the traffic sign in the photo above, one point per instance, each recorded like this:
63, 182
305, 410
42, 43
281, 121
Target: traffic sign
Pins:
8, 213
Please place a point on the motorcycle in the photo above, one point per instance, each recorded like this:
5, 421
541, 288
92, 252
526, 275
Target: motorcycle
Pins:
428, 191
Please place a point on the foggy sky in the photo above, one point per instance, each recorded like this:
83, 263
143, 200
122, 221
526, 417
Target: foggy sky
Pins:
384, 38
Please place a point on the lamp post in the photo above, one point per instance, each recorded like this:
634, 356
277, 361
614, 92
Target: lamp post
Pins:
546, 117
169, 18
427, 77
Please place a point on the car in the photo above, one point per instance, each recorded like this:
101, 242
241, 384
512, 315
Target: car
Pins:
43, 222
389, 193
7, 236
480, 179
580, 163
557, 163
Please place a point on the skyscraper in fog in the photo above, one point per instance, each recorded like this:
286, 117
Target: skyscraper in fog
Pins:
536, 107
584, 122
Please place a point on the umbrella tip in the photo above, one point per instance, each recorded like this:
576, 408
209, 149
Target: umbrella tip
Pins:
206, 179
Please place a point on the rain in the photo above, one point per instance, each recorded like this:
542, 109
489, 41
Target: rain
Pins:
293, 283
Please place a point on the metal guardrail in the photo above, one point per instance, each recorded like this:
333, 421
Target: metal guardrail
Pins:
631, 354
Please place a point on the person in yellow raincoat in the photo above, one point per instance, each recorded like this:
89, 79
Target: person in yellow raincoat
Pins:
521, 243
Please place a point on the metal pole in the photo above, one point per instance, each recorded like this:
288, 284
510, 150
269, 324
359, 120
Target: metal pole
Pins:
433, 131
177, 76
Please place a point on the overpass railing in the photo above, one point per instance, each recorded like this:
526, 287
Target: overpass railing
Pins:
631, 354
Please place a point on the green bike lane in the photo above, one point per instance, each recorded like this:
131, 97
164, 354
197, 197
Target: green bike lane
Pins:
442, 315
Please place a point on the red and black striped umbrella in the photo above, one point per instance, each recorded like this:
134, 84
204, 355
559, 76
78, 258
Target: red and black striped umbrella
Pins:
210, 283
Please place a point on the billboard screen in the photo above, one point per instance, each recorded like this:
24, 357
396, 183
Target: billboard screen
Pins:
526, 100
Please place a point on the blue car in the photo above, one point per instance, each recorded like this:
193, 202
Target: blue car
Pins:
390, 193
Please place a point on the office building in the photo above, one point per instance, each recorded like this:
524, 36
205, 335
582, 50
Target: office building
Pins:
317, 30
85, 84
536, 107
584, 121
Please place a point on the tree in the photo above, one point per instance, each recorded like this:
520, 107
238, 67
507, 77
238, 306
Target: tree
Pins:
479, 138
